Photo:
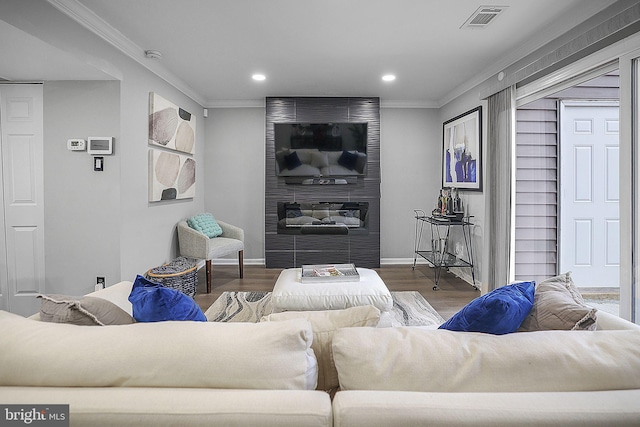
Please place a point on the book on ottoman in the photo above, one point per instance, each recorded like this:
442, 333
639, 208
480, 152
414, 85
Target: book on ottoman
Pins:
312, 273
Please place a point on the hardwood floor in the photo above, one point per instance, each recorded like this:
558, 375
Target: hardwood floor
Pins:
454, 293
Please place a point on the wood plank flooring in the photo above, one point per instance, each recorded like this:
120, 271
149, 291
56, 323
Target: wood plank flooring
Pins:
454, 293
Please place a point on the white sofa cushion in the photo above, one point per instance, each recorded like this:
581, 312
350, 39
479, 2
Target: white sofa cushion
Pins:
413, 359
324, 324
171, 407
410, 409
272, 355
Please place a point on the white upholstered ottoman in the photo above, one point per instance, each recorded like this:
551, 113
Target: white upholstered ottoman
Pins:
290, 294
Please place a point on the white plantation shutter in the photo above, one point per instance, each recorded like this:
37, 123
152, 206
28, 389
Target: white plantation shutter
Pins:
536, 190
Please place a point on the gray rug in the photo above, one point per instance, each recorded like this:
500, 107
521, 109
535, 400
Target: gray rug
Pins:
409, 308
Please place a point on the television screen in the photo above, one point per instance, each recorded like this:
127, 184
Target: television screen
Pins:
321, 149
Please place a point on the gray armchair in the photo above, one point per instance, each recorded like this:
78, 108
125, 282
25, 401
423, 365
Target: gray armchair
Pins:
194, 244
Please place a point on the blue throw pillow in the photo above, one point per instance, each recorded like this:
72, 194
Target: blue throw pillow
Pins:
206, 224
153, 302
348, 160
499, 312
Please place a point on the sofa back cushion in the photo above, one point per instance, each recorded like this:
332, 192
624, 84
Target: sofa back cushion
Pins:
324, 324
413, 359
270, 355
117, 294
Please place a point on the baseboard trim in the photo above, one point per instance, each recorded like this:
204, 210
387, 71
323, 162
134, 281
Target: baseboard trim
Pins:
402, 261
262, 261
234, 261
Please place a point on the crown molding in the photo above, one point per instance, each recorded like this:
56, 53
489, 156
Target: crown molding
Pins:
236, 103
260, 103
88, 19
398, 103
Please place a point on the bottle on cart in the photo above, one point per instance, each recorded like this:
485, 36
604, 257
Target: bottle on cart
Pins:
457, 204
450, 203
439, 204
445, 200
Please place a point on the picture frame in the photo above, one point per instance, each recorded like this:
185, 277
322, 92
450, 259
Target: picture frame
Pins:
170, 126
172, 176
462, 151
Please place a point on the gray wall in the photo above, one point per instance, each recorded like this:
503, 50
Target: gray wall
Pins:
148, 234
234, 174
474, 202
410, 165
82, 207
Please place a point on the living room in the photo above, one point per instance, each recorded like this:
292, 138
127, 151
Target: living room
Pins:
133, 234
99, 222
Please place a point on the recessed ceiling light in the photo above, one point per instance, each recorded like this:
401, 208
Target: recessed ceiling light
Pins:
259, 77
388, 77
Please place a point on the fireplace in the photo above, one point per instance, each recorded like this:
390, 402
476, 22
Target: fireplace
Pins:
337, 218
349, 233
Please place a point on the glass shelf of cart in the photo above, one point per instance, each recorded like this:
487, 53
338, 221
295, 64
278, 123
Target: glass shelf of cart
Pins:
446, 260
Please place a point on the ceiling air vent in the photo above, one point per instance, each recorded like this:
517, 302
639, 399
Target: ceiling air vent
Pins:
483, 16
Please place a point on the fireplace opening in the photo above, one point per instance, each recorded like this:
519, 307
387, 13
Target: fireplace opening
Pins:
340, 218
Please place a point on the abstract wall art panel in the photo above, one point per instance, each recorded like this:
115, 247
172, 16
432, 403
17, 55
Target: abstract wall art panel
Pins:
171, 126
462, 151
172, 176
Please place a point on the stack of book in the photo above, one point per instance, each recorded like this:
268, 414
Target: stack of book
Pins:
329, 273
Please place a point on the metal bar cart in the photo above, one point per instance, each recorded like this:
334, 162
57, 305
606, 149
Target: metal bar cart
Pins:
439, 254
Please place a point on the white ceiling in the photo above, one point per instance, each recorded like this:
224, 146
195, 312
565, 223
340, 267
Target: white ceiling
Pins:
44, 62
333, 47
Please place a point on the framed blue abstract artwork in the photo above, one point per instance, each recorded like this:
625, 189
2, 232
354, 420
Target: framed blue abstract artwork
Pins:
462, 151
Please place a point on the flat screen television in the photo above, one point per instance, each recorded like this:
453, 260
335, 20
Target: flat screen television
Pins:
320, 149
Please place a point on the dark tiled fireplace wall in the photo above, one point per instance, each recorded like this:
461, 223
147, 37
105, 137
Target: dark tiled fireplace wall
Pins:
293, 250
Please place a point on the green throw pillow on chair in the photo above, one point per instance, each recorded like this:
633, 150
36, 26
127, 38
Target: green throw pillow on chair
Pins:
206, 224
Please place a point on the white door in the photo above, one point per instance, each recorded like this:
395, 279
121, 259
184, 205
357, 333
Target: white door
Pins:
589, 188
22, 218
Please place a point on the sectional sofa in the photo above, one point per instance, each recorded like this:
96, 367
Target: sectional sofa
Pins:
266, 374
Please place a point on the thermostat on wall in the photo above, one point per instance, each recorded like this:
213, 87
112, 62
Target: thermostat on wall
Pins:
76, 144
100, 145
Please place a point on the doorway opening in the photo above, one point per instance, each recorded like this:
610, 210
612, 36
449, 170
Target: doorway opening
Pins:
567, 189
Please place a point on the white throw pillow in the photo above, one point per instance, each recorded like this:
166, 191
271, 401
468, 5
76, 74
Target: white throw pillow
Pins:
324, 324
